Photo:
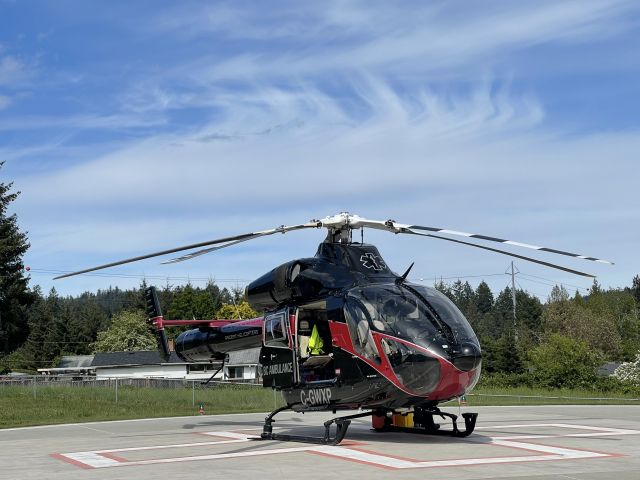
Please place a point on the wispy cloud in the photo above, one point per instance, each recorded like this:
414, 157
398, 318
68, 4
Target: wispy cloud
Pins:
264, 122
415, 158
4, 102
352, 36
12, 70
118, 121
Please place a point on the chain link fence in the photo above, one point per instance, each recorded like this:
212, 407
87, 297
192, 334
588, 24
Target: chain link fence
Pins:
42, 399
47, 383
95, 397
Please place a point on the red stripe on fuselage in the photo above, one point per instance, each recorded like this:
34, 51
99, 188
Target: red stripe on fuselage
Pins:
453, 381
253, 322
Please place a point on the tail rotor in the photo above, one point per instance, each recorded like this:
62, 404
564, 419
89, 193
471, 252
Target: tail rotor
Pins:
154, 313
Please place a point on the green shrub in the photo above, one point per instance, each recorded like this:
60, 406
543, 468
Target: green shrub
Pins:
561, 362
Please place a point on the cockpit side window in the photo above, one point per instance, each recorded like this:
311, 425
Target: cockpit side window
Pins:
276, 332
358, 318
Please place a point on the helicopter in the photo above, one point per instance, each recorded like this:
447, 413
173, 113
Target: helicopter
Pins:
341, 331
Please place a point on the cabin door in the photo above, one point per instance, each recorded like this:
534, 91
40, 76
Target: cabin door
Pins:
279, 364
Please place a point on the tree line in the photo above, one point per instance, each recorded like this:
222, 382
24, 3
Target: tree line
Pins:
584, 330
110, 320
558, 343
555, 343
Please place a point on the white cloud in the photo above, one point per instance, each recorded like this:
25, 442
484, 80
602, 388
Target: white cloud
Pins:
477, 142
381, 38
480, 162
382, 138
118, 121
4, 102
12, 70
345, 40
272, 144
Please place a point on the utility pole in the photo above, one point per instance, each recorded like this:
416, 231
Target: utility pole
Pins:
513, 300
236, 305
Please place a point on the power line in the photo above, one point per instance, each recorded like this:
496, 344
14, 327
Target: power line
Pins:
58, 343
42, 271
456, 277
555, 283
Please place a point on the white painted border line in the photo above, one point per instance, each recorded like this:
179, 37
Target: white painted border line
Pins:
593, 431
103, 459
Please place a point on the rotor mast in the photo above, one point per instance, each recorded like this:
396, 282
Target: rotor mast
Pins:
341, 226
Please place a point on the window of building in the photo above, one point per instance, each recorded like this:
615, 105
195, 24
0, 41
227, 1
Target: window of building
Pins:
235, 373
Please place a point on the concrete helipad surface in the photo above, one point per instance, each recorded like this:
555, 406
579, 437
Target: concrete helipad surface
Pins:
583, 442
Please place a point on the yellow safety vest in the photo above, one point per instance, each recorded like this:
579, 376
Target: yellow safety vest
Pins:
315, 342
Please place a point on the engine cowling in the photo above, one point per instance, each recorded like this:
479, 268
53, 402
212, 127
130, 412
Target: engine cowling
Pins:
274, 287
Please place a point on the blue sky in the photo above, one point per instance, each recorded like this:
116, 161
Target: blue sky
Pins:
132, 127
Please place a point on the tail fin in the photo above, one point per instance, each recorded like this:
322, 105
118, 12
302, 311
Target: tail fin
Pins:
154, 312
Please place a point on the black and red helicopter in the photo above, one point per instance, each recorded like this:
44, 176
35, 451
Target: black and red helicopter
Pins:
386, 345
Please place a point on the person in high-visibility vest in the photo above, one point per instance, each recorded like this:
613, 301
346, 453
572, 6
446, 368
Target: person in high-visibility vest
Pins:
315, 342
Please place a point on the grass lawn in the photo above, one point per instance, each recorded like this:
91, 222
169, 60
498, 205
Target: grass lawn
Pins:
538, 396
63, 404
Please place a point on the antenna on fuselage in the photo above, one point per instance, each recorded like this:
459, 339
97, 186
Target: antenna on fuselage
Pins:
400, 280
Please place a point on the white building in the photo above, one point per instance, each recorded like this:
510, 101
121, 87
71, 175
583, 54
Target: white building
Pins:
149, 364
242, 365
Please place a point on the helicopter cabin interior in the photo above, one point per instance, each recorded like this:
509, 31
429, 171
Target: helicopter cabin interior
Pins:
314, 349
299, 337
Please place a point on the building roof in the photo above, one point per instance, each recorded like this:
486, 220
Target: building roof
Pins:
75, 361
69, 364
116, 359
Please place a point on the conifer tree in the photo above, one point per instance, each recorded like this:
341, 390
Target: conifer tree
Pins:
15, 296
484, 298
635, 288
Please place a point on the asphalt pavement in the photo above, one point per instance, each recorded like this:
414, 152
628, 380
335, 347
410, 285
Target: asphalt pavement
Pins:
585, 442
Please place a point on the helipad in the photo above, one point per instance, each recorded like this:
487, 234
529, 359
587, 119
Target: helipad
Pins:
572, 441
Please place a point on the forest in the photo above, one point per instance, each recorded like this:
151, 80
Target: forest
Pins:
566, 338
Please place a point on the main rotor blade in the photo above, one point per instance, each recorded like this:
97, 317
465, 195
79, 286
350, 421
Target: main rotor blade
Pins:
189, 256
504, 252
507, 242
227, 240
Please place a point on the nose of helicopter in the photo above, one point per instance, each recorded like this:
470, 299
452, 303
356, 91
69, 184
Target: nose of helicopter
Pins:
459, 376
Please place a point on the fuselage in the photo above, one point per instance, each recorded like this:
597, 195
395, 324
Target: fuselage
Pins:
385, 343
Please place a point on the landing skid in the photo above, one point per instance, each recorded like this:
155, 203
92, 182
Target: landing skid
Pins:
341, 423
424, 423
422, 418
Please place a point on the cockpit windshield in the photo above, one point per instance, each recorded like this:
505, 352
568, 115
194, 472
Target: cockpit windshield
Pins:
448, 313
419, 314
